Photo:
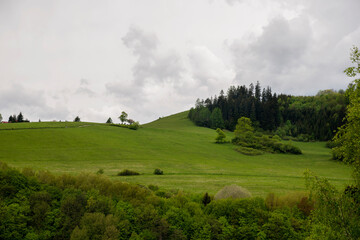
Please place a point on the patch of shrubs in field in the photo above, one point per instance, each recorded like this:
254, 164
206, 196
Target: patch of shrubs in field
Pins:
127, 172
158, 171
132, 126
263, 143
40, 205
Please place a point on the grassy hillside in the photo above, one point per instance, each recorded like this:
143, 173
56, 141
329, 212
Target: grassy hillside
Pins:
187, 154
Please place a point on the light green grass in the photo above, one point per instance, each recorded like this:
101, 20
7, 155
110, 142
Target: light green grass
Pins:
187, 154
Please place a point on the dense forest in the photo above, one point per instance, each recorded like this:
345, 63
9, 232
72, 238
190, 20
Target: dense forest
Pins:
40, 205
305, 117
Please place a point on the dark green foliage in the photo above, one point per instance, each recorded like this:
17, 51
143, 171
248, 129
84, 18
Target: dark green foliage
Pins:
100, 171
109, 120
128, 172
216, 119
90, 206
158, 171
304, 118
20, 118
206, 199
77, 119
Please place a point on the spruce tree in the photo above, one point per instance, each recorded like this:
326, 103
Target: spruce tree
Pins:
20, 117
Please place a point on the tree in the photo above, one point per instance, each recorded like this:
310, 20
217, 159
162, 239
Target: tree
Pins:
216, 120
123, 117
20, 117
77, 119
347, 138
109, 120
0, 117
243, 126
337, 213
220, 138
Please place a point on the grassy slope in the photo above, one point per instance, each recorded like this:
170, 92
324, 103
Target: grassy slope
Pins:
186, 154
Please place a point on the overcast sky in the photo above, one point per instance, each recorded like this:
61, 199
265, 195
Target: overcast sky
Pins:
94, 59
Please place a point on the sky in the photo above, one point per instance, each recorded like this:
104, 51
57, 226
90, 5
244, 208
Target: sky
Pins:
94, 59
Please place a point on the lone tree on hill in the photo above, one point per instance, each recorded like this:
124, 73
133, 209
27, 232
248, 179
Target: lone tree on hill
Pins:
123, 117
77, 119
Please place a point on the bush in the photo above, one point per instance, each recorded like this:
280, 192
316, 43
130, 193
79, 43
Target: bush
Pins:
232, 191
128, 172
153, 187
248, 151
134, 126
158, 171
101, 171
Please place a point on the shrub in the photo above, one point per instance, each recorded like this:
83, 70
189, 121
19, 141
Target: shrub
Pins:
128, 172
206, 199
134, 126
248, 151
101, 171
153, 187
158, 171
220, 138
232, 191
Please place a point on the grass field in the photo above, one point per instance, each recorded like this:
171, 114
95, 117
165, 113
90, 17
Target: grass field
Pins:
187, 154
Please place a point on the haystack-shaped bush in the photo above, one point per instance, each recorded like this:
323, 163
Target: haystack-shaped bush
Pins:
232, 191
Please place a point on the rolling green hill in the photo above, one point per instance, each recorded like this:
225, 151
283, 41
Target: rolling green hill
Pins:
187, 154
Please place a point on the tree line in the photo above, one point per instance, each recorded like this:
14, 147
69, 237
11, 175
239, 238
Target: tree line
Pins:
311, 117
18, 118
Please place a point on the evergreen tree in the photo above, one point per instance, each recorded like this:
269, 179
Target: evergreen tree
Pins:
216, 119
77, 119
204, 117
20, 117
1, 118
109, 120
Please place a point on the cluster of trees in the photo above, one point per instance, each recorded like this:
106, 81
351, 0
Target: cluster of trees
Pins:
260, 106
254, 143
316, 117
125, 122
18, 118
40, 205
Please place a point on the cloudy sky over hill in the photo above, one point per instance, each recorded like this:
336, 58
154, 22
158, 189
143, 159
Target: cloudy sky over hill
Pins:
60, 59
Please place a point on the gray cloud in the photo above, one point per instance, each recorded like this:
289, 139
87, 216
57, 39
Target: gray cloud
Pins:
302, 54
32, 103
152, 67
151, 64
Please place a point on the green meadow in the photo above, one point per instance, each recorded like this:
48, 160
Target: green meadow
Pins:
187, 154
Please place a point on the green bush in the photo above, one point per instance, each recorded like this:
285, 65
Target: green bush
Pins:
153, 187
248, 151
134, 126
232, 191
127, 172
158, 171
